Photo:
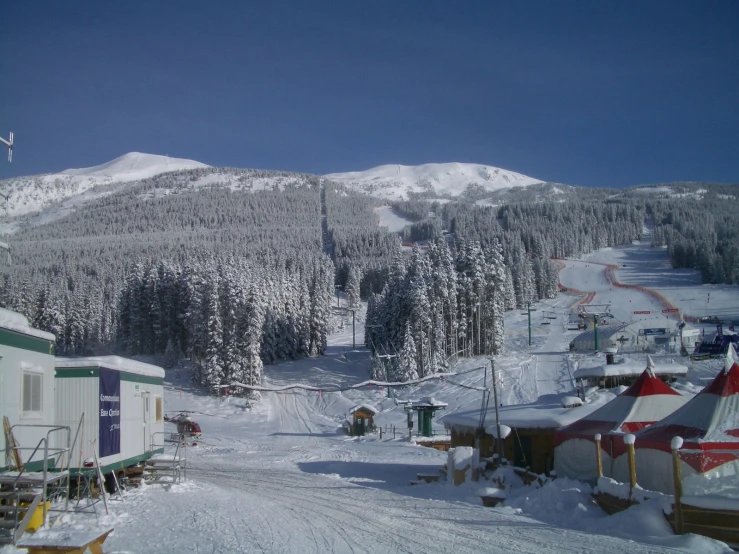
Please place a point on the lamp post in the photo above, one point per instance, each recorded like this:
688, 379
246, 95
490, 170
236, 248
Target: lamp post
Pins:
338, 298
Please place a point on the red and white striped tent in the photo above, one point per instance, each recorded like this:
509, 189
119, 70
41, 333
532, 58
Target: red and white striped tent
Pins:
709, 427
645, 402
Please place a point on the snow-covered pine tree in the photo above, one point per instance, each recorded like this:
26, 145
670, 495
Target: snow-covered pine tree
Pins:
404, 368
351, 288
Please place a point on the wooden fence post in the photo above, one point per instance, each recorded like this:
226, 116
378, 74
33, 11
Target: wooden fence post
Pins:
677, 476
629, 440
598, 457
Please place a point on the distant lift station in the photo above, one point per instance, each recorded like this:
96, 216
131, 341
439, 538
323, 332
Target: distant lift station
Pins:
426, 407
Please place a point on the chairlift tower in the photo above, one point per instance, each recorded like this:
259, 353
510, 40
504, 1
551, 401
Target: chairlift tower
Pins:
589, 310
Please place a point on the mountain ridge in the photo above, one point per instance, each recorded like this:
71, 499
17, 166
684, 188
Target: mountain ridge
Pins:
34, 193
441, 179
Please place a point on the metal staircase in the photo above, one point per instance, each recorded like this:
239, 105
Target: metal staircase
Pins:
23, 492
170, 467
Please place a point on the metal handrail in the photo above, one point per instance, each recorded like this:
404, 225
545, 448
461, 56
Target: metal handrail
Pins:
177, 462
45, 441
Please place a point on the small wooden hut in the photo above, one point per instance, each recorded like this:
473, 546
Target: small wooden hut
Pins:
362, 420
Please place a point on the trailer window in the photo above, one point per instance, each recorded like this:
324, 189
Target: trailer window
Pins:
32, 392
159, 408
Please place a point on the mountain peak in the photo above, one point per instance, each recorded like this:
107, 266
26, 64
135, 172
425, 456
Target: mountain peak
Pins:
134, 166
395, 181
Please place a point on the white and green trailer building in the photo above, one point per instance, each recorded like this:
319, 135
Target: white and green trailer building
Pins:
26, 389
123, 405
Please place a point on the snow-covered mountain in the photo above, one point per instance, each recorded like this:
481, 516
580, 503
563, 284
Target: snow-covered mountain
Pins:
34, 193
443, 180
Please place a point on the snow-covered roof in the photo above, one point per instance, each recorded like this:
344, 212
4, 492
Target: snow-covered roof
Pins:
13, 321
428, 402
366, 407
646, 401
627, 367
571, 401
525, 416
111, 362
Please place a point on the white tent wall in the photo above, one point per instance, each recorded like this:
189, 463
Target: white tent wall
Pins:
720, 481
575, 458
653, 470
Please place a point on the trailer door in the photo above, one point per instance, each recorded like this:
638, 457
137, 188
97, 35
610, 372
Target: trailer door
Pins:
146, 397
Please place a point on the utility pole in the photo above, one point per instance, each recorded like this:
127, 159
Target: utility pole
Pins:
354, 333
498, 440
9, 144
595, 330
529, 312
387, 371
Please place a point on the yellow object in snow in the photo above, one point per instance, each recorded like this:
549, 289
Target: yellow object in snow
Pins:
37, 519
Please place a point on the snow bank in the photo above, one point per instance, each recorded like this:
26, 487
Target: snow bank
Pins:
460, 463
622, 490
569, 504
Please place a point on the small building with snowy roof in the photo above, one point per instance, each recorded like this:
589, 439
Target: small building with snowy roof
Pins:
527, 430
26, 386
362, 420
646, 335
645, 402
122, 403
625, 372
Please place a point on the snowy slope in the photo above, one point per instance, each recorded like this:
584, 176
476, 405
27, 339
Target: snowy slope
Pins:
396, 181
34, 193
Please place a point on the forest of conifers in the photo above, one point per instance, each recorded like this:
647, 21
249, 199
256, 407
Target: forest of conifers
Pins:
233, 278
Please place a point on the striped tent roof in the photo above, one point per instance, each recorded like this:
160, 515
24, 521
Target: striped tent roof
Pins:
708, 424
645, 402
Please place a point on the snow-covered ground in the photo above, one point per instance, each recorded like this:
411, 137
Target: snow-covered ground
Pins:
391, 220
281, 476
640, 264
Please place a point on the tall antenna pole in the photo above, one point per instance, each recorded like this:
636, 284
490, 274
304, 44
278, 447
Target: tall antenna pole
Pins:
9, 144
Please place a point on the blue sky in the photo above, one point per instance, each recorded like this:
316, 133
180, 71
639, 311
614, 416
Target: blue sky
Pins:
598, 93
